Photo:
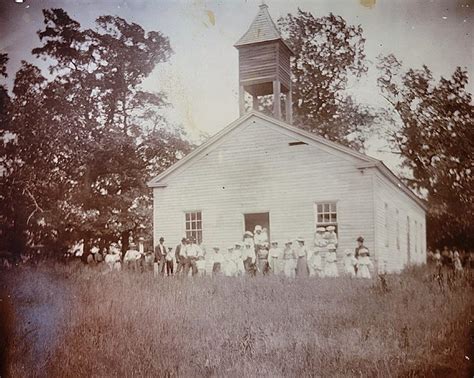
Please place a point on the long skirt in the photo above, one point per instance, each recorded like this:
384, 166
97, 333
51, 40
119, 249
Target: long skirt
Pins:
363, 271
457, 265
302, 267
275, 265
250, 267
349, 269
289, 268
331, 269
201, 267
314, 266
229, 268
263, 266
216, 268
240, 267
315, 270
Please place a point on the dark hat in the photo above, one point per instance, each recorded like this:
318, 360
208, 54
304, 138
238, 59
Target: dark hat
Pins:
162, 239
360, 239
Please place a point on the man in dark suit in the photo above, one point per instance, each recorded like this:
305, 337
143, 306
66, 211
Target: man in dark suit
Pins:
160, 254
180, 258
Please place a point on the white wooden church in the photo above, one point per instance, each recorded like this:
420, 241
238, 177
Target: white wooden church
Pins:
262, 170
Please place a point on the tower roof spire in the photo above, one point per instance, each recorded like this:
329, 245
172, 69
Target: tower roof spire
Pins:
262, 29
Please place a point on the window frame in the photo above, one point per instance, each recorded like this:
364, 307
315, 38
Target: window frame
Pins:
332, 209
193, 219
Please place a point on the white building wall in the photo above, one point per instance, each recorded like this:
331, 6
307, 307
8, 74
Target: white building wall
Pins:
253, 169
401, 206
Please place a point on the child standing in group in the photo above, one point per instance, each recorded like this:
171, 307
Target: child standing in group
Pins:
315, 266
331, 262
217, 261
169, 262
230, 269
350, 263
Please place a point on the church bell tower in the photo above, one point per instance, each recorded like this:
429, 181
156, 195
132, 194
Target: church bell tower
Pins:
264, 65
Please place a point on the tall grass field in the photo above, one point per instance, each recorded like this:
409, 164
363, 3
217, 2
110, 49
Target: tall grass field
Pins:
74, 321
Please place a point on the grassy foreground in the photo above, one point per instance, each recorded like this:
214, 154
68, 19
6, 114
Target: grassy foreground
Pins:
74, 321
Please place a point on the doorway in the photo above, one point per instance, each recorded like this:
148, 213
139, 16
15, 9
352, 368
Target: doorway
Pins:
253, 219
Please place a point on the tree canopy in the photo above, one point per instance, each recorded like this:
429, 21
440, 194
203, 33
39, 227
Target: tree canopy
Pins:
87, 137
328, 54
436, 142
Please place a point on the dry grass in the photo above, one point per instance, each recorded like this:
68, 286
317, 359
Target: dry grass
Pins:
136, 325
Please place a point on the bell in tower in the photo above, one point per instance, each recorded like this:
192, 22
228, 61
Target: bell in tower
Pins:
264, 64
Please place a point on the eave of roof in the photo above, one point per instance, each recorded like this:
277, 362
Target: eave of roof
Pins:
367, 161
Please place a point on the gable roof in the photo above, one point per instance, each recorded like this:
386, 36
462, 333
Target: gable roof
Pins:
366, 161
262, 29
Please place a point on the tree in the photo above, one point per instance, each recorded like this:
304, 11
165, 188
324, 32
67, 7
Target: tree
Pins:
435, 138
92, 130
328, 53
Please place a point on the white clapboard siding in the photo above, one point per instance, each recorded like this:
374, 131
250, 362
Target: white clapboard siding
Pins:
396, 258
253, 169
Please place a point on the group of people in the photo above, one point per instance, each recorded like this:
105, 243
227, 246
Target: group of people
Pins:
253, 255
456, 259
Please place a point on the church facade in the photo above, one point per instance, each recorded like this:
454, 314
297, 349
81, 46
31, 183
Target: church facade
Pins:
262, 170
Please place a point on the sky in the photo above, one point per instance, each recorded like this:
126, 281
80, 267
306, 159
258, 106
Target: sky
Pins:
201, 78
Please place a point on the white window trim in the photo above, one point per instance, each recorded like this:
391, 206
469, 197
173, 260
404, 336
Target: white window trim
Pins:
192, 230
316, 213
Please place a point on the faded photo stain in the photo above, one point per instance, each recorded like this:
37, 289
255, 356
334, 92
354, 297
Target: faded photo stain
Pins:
211, 18
368, 3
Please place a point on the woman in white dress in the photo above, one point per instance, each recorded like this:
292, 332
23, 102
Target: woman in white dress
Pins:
457, 262
229, 266
364, 263
331, 235
238, 257
275, 257
331, 262
289, 260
